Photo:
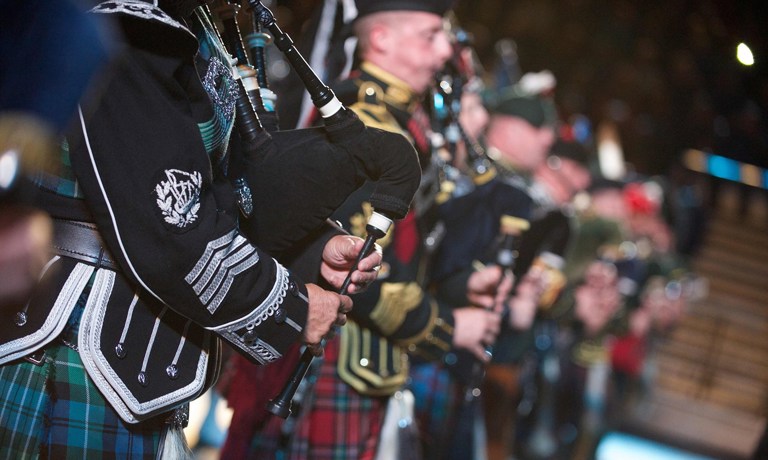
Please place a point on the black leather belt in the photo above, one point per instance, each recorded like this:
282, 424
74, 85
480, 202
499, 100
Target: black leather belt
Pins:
81, 241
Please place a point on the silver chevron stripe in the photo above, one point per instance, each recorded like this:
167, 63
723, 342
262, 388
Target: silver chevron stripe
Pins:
222, 269
252, 260
210, 250
223, 259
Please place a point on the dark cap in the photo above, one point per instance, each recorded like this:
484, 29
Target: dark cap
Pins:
600, 183
438, 7
573, 150
535, 109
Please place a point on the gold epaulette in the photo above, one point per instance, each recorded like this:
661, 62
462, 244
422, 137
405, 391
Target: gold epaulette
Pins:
369, 363
372, 110
435, 338
395, 302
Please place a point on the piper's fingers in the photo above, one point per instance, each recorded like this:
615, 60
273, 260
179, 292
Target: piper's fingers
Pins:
372, 261
364, 278
480, 353
345, 304
341, 319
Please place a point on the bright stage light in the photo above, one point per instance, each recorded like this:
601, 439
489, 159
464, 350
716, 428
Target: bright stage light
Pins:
744, 54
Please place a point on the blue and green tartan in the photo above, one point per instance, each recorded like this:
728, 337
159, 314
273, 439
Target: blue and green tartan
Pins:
437, 397
53, 410
64, 181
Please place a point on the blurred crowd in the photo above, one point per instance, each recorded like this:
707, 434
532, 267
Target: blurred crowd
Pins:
666, 72
513, 309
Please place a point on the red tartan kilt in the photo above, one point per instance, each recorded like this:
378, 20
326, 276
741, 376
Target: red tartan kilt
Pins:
340, 424
248, 391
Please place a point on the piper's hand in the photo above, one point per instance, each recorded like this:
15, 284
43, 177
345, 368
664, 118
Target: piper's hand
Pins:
523, 306
474, 329
339, 256
326, 309
488, 287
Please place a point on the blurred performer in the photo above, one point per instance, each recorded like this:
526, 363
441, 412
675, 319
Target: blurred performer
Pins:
564, 174
474, 202
603, 274
556, 183
663, 288
402, 45
520, 133
150, 267
39, 88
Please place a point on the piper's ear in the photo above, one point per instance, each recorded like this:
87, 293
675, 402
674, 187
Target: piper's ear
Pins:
379, 36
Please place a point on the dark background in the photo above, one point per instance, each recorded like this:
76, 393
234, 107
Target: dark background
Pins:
664, 71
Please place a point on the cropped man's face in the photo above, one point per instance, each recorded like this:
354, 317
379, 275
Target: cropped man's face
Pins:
418, 48
523, 145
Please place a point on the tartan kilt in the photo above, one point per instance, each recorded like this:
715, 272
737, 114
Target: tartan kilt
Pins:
438, 398
340, 423
53, 410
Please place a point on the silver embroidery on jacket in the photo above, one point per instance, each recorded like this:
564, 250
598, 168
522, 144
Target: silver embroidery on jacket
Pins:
179, 197
236, 331
222, 260
113, 381
138, 9
221, 87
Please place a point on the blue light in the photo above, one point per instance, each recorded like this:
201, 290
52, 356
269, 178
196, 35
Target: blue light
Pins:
582, 128
441, 111
621, 446
724, 168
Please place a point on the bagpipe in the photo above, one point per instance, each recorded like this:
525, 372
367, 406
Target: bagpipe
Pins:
521, 246
472, 217
543, 247
297, 178
474, 196
465, 154
511, 229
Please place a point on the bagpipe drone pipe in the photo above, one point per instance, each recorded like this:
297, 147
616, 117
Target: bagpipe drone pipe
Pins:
470, 215
542, 245
250, 52
297, 178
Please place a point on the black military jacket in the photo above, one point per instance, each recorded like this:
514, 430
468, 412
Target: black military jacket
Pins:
395, 316
149, 155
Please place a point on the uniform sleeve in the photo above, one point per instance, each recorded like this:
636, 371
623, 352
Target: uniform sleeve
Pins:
169, 220
395, 306
305, 257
